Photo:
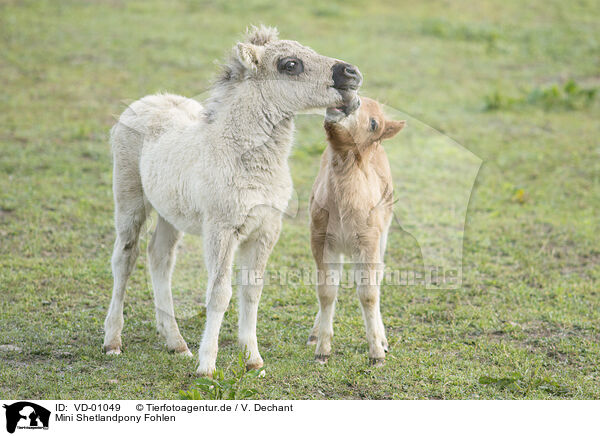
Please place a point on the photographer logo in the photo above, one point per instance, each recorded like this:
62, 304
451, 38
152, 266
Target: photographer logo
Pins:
26, 415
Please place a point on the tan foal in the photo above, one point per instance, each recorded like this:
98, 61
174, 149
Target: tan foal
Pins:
351, 211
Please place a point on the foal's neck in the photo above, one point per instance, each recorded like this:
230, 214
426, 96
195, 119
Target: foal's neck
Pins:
348, 161
248, 122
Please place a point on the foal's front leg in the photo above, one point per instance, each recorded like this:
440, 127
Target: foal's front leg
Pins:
368, 274
219, 248
328, 281
253, 256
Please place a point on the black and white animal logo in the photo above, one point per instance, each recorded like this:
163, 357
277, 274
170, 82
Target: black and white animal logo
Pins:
26, 415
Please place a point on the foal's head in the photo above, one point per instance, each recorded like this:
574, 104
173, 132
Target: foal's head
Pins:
291, 76
360, 130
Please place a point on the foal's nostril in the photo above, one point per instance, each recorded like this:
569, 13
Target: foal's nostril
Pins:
351, 71
346, 76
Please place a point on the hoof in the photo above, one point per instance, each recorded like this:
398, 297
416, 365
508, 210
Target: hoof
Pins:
377, 362
254, 365
322, 358
181, 351
312, 340
112, 350
184, 353
205, 373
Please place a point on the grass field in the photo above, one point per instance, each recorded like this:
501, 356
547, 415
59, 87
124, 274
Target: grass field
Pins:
514, 84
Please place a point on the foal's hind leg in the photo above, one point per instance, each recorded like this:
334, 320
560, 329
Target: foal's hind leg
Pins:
382, 246
128, 222
314, 333
161, 254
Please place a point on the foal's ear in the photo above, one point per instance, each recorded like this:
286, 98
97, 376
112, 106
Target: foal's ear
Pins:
392, 128
249, 54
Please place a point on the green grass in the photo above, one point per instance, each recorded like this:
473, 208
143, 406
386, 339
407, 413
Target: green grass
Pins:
524, 323
568, 97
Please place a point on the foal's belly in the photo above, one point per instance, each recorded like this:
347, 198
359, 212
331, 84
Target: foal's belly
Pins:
166, 185
171, 206
184, 224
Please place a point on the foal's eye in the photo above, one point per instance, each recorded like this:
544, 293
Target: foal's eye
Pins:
374, 124
291, 66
